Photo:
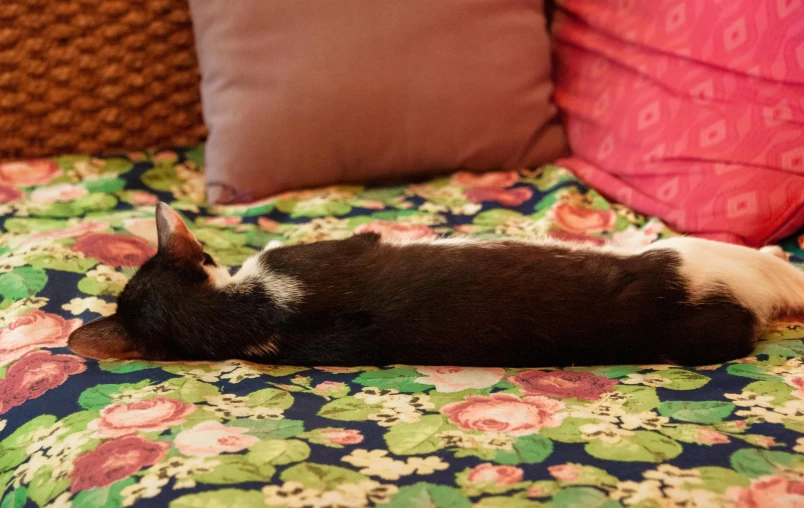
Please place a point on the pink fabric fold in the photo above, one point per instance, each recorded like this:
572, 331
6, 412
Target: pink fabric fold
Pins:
691, 110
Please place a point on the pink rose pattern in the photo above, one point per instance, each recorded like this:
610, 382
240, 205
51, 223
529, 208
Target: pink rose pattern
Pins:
499, 179
342, 436
59, 193
709, 436
497, 475
328, 388
9, 194
505, 413
212, 438
768, 492
566, 472
79, 431
797, 382
150, 415
506, 197
581, 221
33, 330
492, 187
563, 384
142, 198
115, 250
28, 173
114, 460
35, 373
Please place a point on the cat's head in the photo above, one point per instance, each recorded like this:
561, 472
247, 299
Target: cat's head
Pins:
164, 293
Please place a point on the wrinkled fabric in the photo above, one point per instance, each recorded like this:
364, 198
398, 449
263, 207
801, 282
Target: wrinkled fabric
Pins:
690, 110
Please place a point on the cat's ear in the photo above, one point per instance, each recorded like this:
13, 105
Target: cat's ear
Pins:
102, 339
174, 235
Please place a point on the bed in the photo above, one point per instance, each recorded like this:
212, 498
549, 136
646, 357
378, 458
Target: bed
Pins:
133, 433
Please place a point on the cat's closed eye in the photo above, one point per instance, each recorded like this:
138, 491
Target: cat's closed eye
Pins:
208, 261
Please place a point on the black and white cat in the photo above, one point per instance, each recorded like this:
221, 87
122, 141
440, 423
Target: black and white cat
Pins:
364, 301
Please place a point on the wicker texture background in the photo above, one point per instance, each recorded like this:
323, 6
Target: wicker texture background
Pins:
92, 76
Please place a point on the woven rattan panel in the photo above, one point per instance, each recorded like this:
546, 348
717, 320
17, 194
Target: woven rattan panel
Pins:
92, 76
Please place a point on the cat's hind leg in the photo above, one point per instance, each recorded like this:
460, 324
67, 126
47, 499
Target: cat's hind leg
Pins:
762, 281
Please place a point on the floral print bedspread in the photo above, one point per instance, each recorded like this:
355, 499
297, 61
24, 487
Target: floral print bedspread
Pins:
90, 434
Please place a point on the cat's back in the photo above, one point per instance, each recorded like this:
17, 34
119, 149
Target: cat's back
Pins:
367, 266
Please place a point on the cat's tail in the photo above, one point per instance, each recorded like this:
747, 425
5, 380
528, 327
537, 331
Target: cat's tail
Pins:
762, 281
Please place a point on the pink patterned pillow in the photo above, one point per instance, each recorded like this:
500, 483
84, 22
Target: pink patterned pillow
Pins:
692, 110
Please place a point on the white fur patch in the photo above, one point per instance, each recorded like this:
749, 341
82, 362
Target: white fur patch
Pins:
218, 274
250, 268
760, 280
273, 244
285, 290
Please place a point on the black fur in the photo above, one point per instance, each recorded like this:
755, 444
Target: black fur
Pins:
174, 314
370, 303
